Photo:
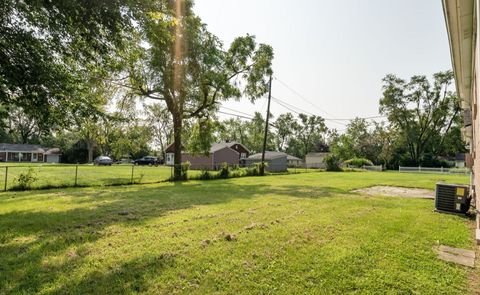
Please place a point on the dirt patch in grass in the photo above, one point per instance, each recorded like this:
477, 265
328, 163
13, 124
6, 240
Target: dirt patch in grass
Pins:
394, 191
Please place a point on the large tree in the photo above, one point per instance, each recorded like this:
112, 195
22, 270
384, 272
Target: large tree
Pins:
233, 130
310, 133
181, 63
285, 126
52, 51
159, 120
422, 111
256, 133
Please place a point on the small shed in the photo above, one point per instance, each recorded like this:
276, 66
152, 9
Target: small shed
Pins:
315, 160
460, 160
276, 161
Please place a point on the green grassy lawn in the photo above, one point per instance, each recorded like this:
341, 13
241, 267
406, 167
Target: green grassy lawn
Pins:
49, 175
287, 234
63, 175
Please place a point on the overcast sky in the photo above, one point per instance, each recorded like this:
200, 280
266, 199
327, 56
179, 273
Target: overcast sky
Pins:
335, 53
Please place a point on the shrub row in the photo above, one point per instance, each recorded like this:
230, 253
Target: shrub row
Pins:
227, 171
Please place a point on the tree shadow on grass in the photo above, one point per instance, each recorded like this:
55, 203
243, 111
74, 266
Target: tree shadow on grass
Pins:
27, 237
132, 276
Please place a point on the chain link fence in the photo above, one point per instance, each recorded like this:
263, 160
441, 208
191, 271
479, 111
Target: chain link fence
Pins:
51, 176
42, 176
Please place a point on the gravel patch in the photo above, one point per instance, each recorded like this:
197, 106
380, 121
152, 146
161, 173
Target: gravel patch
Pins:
394, 191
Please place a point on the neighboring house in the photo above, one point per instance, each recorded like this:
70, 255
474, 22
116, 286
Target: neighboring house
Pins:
294, 161
225, 152
276, 161
460, 160
315, 160
242, 150
463, 27
28, 153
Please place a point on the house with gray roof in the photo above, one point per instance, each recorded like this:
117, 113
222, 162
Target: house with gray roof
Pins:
231, 153
294, 161
276, 161
28, 153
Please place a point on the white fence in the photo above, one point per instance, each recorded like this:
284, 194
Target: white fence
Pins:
373, 168
420, 169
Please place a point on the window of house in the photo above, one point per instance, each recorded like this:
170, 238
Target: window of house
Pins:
13, 156
25, 157
243, 155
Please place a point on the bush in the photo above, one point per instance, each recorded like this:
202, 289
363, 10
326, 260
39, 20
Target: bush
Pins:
359, 162
353, 169
238, 172
332, 163
25, 180
185, 167
205, 175
224, 171
460, 170
255, 169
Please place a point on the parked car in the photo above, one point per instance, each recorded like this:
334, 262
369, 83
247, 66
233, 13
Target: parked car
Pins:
147, 160
103, 161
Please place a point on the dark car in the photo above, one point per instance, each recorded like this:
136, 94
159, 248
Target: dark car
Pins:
147, 160
103, 160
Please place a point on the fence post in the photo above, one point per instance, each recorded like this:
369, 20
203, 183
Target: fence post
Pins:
419, 169
131, 179
6, 178
76, 174
441, 169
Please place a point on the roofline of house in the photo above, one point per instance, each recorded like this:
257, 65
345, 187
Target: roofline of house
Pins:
28, 152
267, 158
234, 143
459, 20
317, 154
187, 153
227, 147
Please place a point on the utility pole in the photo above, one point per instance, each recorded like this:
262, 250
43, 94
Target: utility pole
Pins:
262, 167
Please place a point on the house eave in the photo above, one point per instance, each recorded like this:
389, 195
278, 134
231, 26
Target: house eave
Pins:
459, 19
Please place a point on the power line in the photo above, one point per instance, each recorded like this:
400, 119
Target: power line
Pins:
327, 119
282, 102
235, 115
233, 110
301, 96
289, 107
292, 108
249, 117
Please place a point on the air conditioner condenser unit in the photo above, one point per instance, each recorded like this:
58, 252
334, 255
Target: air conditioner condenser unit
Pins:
452, 198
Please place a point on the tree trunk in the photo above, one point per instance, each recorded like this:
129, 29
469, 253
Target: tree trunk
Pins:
90, 151
177, 146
